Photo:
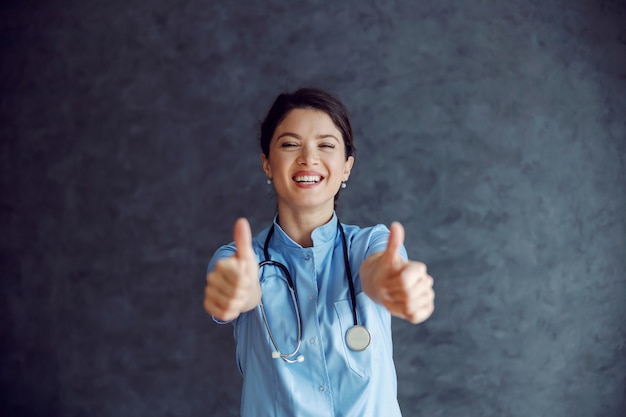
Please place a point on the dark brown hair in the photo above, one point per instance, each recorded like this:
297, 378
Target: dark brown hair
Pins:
307, 98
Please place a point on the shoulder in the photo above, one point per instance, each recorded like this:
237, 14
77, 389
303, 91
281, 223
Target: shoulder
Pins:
367, 240
369, 232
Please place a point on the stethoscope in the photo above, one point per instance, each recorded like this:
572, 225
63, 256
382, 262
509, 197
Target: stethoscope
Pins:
358, 338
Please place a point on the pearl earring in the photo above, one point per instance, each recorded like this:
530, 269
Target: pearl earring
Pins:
343, 184
269, 181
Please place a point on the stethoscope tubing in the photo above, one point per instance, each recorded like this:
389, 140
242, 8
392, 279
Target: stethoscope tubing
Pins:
294, 296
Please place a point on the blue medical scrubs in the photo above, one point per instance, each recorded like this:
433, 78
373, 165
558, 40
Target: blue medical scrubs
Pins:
333, 380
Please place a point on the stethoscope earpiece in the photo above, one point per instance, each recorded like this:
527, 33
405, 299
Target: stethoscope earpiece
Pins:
278, 355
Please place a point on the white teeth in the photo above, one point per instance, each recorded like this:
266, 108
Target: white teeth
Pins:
311, 179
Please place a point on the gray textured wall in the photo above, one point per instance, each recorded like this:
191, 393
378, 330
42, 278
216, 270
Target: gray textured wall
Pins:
495, 131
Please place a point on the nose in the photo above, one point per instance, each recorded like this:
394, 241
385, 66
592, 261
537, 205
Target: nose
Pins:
308, 156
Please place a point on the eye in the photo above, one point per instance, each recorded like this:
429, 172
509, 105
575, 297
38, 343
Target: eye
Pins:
327, 145
288, 145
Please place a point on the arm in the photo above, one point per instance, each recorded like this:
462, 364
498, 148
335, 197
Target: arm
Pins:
403, 287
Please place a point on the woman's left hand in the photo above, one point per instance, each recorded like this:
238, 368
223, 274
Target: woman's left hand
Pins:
403, 287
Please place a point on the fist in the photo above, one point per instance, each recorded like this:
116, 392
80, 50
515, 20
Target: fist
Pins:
403, 287
233, 286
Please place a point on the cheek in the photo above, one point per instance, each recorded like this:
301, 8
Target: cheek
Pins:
279, 163
342, 163
338, 169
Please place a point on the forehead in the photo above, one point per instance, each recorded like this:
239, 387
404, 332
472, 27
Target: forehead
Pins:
308, 122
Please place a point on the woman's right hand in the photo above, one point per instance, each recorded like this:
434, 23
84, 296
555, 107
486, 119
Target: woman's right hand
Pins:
233, 286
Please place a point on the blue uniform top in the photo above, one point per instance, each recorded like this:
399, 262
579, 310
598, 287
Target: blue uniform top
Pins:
333, 380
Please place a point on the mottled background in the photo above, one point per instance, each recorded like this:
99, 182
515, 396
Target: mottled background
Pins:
494, 130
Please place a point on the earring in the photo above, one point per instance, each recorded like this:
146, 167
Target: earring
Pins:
269, 181
343, 184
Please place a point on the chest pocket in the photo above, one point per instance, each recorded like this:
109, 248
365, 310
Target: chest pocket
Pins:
365, 362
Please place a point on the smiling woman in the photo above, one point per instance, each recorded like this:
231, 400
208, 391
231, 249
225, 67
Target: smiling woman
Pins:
307, 164
308, 285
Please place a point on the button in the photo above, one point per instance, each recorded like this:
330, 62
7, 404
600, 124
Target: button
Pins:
311, 296
322, 388
307, 257
312, 340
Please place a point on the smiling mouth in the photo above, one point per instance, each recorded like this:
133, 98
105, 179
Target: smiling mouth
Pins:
307, 179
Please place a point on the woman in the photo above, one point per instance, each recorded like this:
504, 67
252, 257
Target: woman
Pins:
331, 336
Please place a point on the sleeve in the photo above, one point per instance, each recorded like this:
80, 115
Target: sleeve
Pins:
223, 252
378, 242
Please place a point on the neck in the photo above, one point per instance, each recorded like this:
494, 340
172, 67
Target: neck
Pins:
299, 224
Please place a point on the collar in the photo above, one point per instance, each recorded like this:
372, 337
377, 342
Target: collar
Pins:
321, 236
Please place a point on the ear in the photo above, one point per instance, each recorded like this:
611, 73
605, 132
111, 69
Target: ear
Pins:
347, 168
266, 165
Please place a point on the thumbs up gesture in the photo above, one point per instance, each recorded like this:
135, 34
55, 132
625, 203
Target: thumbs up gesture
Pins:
403, 287
233, 286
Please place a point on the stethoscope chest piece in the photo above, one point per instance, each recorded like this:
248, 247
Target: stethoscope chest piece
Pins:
358, 338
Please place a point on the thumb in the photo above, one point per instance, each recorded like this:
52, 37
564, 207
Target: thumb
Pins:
243, 239
396, 239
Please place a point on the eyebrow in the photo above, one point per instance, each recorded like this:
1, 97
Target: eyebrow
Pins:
295, 135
